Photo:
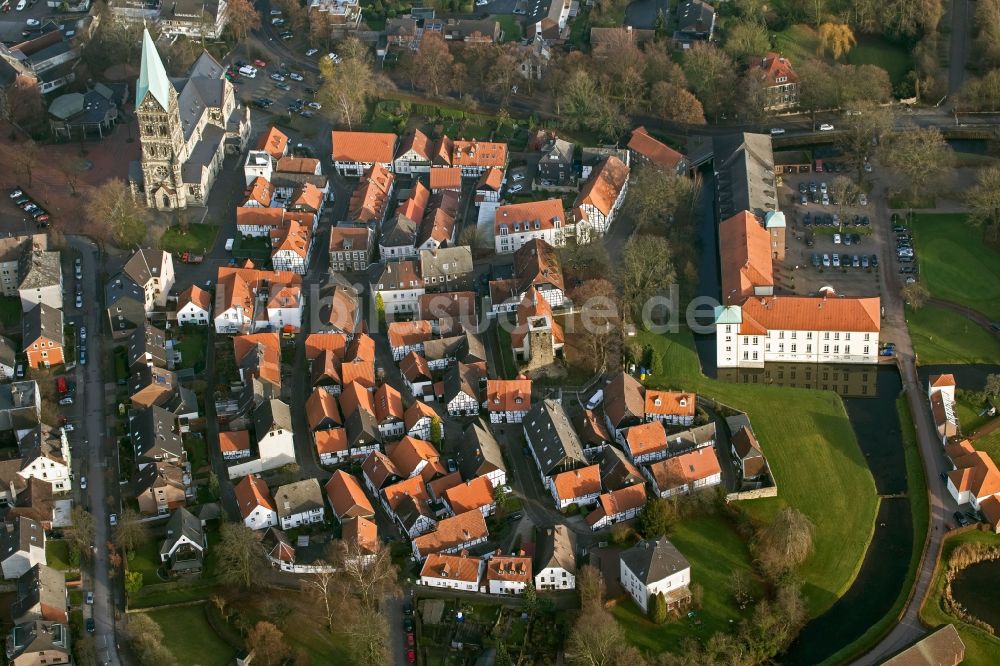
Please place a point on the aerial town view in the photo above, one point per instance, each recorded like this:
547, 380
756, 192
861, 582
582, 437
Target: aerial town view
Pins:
500, 332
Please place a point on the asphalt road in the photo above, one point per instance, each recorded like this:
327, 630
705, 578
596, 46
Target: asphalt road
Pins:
100, 454
961, 42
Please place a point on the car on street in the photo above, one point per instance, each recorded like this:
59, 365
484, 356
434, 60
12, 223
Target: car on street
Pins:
278, 21
21, 5
275, 12
33, 23
19, 371
79, 301
295, 76
868, 167
410, 640
63, 402
91, 625
775, 131
90, 598
83, 334
411, 657
68, 427
311, 52
83, 356
288, 34
16, 193
906, 270
113, 519
83, 483
408, 623
78, 268
826, 127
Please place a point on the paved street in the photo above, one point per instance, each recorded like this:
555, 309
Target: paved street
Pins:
99, 456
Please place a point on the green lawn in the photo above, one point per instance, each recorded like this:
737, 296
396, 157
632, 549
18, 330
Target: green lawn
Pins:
715, 550
57, 554
191, 344
874, 50
813, 453
797, 42
980, 647
190, 638
942, 336
197, 451
511, 27
199, 238
146, 560
955, 264
991, 445
509, 368
917, 490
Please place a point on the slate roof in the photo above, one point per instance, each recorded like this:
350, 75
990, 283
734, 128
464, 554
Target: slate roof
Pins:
552, 438
653, 560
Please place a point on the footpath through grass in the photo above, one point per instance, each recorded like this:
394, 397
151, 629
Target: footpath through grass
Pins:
916, 483
941, 336
813, 453
955, 264
980, 647
714, 549
190, 638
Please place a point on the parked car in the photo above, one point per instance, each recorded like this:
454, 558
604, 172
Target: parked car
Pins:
288, 34
862, 199
515, 188
83, 356
63, 402
826, 127
775, 131
315, 106
311, 52
865, 263
874, 261
78, 268
79, 301
91, 625
16, 193
836, 260
826, 199
277, 77
83, 483
259, 63
816, 261
826, 260
113, 519
961, 519
19, 371
283, 86
856, 261
836, 239
248, 71
295, 76
89, 599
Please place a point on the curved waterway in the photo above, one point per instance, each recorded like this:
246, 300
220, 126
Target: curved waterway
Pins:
876, 427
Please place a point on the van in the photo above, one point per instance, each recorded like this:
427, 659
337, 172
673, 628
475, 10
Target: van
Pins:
248, 71
229, 244
596, 399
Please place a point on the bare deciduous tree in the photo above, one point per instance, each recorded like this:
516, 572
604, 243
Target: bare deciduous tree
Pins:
785, 543
365, 572
239, 555
268, 644
241, 18
130, 532
321, 585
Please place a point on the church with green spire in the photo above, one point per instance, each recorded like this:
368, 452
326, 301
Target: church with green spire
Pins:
187, 126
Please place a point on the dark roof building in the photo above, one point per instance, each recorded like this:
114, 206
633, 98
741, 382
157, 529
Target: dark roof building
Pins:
554, 444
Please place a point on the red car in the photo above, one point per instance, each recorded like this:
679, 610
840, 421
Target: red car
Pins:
259, 63
410, 640
411, 656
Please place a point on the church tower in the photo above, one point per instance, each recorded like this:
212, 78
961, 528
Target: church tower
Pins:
160, 132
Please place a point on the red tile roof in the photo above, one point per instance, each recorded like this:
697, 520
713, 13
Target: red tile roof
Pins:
774, 67
745, 257
252, 492
542, 215
233, 441
362, 531
653, 150
378, 468
685, 468
322, 405
670, 403
470, 495
196, 295
347, 498
316, 343
365, 147
446, 178
274, 142
807, 313
306, 165
451, 567
508, 395
388, 404
509, 569
646, 438
261, 191
601, 190
453, 532
618, 501
409, 333
332, 441
478, 153
578, 482
409, 452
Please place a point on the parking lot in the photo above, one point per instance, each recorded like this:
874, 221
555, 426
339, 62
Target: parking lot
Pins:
289, 91
830, 243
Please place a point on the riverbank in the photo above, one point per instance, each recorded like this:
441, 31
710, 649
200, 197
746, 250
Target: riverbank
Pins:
813, 453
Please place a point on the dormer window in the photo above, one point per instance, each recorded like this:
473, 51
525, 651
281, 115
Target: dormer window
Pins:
781, 79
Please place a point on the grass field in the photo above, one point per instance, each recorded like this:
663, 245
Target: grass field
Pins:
797, 43
511, 27
715, 550
980, 647
955, 264
991, 445
873, 50
190, 638
57, 554
813, 453
942, 336
191, 345
917, 490
198, 238
146, 560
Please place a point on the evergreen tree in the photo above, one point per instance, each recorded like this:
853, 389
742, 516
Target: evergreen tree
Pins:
658, 608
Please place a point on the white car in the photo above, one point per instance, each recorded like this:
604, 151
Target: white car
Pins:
311, 52
33, 23
775, 131
65, 401
481, 3
315, 105
295, 76
518, 176
83, 334
826, 127
516, 188
836, 239
79, 301
275, 12
333, 57
83, 483
68, 427
113, 519
21, 5
863, 199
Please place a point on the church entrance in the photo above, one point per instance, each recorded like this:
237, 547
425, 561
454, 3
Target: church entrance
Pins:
166, 201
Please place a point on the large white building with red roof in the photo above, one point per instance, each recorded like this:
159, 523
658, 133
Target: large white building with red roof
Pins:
755, 326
